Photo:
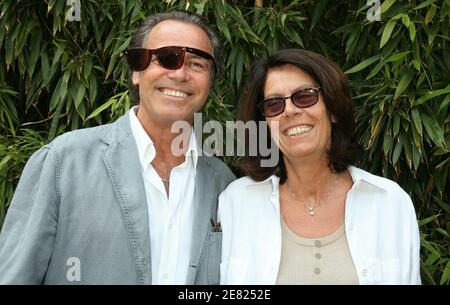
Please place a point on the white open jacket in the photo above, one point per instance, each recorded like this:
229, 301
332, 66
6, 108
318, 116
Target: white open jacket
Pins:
380, 225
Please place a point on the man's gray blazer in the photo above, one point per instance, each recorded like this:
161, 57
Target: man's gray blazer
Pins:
79, 214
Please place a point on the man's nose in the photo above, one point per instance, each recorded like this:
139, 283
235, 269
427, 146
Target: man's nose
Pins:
179, 74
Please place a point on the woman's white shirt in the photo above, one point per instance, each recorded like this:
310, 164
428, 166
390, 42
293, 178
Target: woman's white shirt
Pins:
380, 225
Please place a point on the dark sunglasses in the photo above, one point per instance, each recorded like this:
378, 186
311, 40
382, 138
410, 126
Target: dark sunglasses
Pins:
171, 57
302, 98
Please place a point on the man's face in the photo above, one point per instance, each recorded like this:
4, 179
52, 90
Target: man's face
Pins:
166, 95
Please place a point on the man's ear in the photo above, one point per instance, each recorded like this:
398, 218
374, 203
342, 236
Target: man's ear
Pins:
135, 78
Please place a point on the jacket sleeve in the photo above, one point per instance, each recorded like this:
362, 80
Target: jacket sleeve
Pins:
28, 234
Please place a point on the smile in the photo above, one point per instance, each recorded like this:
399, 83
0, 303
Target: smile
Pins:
299, 130
170, 92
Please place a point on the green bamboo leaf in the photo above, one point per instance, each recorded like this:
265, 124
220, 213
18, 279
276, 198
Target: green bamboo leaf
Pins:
416, 157
45, 68
428, 220
445, 102
406, 20
318, 10
283, 19
424, 4
431, 95
396, 125
416, 120
442, 204
430, 14
386, 5
375, 70
239, 68
397, 151
445, 278
92, 88
101, 108
433, 129
87, 67
403, 83
365, 63
387, 32
397, 57
79, 94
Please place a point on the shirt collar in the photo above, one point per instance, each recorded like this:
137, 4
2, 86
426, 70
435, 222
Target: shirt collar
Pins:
360, 177
146, 149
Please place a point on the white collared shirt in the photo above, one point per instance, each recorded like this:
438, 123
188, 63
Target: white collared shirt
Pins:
380, 225
170, 217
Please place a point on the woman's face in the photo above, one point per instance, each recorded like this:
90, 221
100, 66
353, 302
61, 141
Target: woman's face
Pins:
303, 132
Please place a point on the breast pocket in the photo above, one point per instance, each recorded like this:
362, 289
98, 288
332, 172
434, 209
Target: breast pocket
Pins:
215, 251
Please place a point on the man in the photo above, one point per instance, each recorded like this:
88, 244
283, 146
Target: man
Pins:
114, 204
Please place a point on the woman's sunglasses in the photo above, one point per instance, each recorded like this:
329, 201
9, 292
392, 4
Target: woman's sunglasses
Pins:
302, 98
171, 57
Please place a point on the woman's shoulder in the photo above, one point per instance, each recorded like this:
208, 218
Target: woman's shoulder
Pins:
247, 184
383, 183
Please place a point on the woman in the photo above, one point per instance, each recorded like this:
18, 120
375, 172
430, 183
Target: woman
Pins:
314, 218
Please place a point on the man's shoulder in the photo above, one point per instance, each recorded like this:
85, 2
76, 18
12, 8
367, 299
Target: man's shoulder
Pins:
80, 138
219, 168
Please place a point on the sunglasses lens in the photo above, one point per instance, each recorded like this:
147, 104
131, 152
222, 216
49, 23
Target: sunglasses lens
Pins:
273, 107
171, 58
138, 59
305, 98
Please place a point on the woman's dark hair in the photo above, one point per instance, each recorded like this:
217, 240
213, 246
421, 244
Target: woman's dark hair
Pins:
144, 28
344, 148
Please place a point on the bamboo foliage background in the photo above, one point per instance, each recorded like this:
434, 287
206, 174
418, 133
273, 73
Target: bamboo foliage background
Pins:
57, 75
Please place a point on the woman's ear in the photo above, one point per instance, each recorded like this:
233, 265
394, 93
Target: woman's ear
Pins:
333, 119
135, 78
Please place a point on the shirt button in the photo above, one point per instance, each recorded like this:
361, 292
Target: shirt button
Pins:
318, 255
317, 270
317, 243
365, 272
171, 227
165, 276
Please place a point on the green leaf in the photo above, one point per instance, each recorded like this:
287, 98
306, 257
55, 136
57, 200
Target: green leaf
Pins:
428, 220
430, 14
403, 83
431, 95
398, 57
442, 204
412, 31
424, 4
433, 129
79, 94
45, 68
387, 32
416, 120
397, 151
386, 5
101, 108
445, 279
365, 63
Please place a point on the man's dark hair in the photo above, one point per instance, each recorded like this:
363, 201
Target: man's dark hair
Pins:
344, 148
140, 37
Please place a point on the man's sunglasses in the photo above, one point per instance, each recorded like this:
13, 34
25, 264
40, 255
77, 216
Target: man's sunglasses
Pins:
171, 57
302, 98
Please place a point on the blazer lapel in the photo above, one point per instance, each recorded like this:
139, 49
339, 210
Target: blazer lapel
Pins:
121, 159
204, 209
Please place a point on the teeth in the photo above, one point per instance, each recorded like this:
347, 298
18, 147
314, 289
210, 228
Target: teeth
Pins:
298, 130
173, 93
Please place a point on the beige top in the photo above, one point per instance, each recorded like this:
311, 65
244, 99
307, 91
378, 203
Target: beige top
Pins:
321, 261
